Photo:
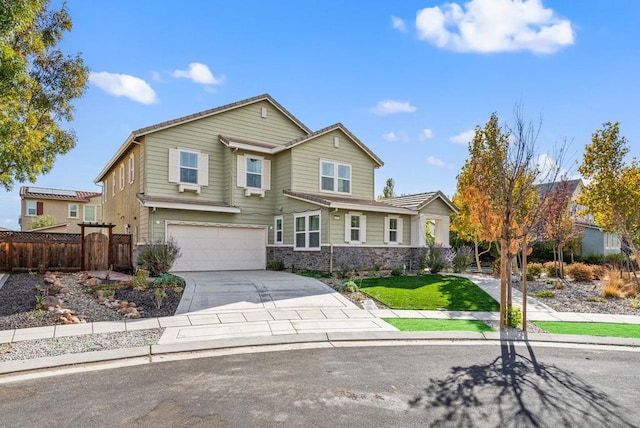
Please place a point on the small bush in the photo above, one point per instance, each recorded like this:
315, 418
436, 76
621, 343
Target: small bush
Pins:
397, 272
158, 297
514, 317
599, 272
349, 262
534, 270
276, 265
158, 257
315, 274
580, 272
438, 258
617, 287
43, 221
168, 279
552, 269
594, 259
141, 280
596, 300
347, 287
545, 293
462, 258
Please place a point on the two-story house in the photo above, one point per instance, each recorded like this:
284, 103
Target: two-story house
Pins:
245, 184
66, 207
594, 240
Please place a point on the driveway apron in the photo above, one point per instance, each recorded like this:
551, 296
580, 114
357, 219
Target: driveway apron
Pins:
233, 291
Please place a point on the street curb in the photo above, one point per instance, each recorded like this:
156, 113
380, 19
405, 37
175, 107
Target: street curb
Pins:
3, 278
72, 359
149, 352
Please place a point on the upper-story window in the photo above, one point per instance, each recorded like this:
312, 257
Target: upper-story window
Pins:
132, 169
73, 211
189, 169
253, 174
335, 177
113, 184
32, 208
90, 213
104, 190
122, 176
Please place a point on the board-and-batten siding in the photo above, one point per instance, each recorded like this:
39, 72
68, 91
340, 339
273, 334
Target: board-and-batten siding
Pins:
306, 164
202, 135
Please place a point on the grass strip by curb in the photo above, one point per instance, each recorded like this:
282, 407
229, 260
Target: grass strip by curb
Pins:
427, 324
591, 328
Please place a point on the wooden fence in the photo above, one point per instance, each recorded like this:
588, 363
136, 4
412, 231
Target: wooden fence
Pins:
37, 251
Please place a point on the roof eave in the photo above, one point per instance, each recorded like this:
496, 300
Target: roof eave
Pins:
192, 207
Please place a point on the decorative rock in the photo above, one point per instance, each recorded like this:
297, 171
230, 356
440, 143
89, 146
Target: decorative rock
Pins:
122, 304
50, 301
132, 304
93, 282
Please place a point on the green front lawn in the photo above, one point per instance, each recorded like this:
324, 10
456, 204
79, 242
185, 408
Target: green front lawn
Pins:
591, 328
429, 292
424, 324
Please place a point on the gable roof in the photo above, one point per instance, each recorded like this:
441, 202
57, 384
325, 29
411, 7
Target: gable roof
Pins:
60, 194
571, 186
262, 147
344, 202
189, 118
418, 201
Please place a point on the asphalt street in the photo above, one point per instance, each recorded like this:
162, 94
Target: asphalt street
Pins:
436, 385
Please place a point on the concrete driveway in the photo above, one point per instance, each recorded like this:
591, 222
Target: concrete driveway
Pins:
233, 291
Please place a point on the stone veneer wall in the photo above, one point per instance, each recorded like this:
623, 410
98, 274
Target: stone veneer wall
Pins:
365, 257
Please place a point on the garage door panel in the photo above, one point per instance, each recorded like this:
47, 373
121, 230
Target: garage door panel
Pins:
219, 248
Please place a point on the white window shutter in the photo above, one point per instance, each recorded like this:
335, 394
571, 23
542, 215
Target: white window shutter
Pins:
266, 174
203, 169
347, 228
386, 230
399, 230
241, 176
174, 166
363, 228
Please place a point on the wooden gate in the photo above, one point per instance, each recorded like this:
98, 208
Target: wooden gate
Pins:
96, 251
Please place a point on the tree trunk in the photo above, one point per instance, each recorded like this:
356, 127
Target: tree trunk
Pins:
475, 241
561, 261
503, 283
524, 282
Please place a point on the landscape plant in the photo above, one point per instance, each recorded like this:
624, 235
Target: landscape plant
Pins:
158, 257
42, 221
462, 258
438, 258
580, 272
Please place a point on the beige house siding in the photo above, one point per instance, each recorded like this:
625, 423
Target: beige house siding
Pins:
305, 161
59, 209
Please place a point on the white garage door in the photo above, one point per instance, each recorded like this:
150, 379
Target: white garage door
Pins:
219, 247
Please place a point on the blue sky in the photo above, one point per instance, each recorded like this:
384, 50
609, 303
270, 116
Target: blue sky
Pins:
411, 79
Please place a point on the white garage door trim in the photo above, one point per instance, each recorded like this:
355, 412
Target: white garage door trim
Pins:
218, 246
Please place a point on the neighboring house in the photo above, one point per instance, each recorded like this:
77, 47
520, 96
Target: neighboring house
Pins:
594, 240
247, 184
68, 207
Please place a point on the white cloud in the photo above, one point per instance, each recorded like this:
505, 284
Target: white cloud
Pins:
124, 85
396, 136
426, 134
387, 107
485, 26
464, 137
157, 77
437, 162
399, 24
198, 73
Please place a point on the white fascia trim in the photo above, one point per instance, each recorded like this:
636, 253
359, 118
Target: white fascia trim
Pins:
191, 207
210, 224
357, 207
123, 148
390, 244
250, 148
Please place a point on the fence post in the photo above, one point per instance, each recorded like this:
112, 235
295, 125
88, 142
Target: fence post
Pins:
82, 267
10, 254
110, 250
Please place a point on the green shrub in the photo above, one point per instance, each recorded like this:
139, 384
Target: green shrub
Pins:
141, 279
545, 293
462, 259
314, 274
616, 260
552, 269
580, 272
347, 287
438, 258
594, 259
158, 297
534, 270
158, 257
397, 272
276, 265
514, 317
168, 279
43, 221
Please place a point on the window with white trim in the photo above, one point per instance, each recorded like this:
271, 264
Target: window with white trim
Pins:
122, 176
278, 230
307, 231
393, 229
132, 168
104, 190
254, 172
90, 213
335, 177
73, 211
355, 230
189, 169
113, 184
32, 208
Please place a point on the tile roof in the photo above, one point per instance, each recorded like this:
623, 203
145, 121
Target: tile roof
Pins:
412, 202
61, 194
